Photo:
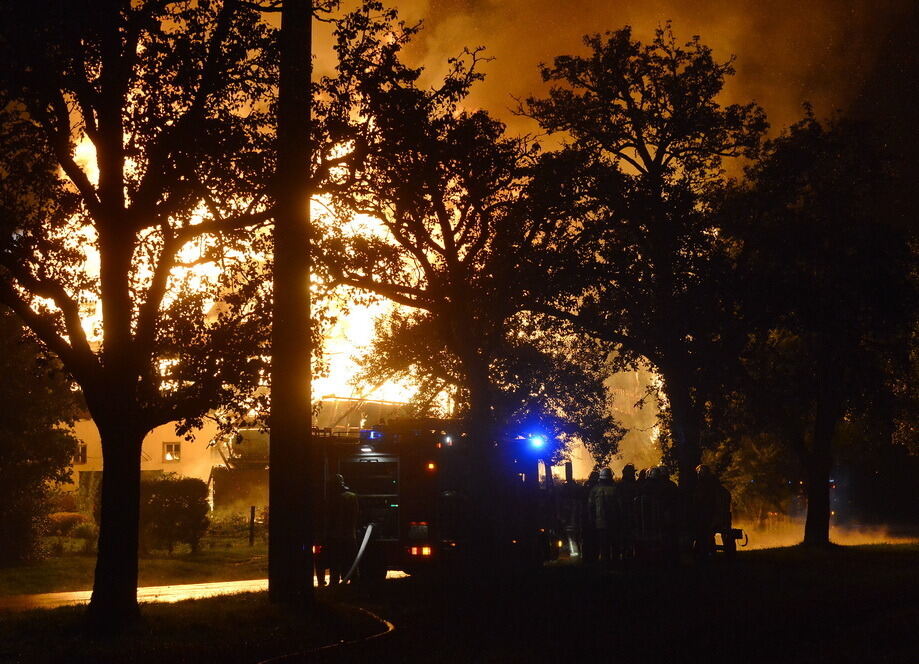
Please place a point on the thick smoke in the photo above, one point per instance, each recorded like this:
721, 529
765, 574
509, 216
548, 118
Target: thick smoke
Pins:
788, 52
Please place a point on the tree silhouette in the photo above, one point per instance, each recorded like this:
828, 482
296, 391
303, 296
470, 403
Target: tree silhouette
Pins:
827, 279
164, 94
36, 452
637, 252
443, 185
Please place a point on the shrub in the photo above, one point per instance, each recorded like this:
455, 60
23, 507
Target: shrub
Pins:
173, 509
35, 448
88, 533
61, 523
64, 501
225, 524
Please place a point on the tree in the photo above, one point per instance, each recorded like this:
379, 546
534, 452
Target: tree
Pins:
636, 253
179, 102
443, 185
164, 93
35, 449
827, 272
539, 379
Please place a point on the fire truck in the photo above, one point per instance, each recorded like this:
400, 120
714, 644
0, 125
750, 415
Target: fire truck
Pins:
412, 479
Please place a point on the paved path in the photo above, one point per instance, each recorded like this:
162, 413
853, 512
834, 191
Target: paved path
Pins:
173, 593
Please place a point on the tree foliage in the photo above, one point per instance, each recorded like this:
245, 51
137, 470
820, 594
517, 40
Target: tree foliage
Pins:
36, 449
635, 257
443, 186
826, 278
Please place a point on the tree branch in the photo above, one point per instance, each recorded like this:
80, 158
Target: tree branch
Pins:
593, 329
79, 360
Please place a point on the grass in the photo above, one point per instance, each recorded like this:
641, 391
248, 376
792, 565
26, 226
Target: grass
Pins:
238, 628
796, 605
74, 571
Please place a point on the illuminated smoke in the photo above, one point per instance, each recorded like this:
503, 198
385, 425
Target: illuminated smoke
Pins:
823, 51
790, 532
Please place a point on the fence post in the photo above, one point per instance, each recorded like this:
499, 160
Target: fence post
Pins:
251, 525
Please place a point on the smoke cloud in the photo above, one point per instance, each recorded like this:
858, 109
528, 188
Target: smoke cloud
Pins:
788, 52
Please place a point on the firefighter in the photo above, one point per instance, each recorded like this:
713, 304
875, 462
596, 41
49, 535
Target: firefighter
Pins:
588, 532
572, 513
343, 518
626, 492
603, 509
657, 516
708, 514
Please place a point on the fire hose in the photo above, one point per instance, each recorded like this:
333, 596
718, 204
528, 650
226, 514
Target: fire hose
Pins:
360, 551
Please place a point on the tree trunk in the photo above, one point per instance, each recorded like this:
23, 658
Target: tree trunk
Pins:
684, 424
486, 479
290, 561
114, 598
818, 464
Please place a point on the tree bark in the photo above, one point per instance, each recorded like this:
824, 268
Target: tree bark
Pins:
819, 463
290, 568
114, 597
684, 424
489, 541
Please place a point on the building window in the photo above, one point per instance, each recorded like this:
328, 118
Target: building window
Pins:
80, 457
172, 452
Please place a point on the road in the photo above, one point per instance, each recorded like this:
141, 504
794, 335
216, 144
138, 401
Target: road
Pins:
172, 593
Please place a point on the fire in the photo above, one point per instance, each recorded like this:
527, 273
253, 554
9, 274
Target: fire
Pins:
350, 337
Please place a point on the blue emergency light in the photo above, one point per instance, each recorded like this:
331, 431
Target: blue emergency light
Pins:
537, 442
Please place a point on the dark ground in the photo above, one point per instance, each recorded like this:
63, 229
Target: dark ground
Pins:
850, 604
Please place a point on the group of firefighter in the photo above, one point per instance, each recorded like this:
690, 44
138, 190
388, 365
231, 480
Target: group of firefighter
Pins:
645, 516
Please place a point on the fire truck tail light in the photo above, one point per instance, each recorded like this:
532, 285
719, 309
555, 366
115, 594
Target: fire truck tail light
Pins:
432, 466
425, 551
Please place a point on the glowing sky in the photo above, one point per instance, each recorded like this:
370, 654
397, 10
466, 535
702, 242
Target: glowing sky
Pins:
834, 53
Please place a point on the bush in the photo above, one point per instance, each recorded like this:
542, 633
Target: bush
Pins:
173, 509
35, 447
233, 525
88, 533
61, 523
64, 501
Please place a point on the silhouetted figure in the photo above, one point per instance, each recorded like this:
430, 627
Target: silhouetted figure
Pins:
603, 509
656, 532
641, 479
573, 505
588, 532
626, 492
343, 517
711, 514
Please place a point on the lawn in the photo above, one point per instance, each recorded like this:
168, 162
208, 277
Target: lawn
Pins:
73, 571
847, 604
242, 628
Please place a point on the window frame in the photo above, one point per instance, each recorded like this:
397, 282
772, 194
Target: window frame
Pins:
175, 448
